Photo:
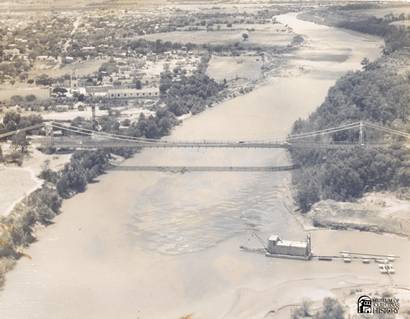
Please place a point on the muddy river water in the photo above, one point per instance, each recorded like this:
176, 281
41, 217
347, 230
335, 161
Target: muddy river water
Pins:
160, 245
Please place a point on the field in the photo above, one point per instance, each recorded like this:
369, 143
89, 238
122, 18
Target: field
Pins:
229, 68
80, 68
7, 91
270, 35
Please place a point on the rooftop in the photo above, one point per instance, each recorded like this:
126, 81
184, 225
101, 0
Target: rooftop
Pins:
289, 243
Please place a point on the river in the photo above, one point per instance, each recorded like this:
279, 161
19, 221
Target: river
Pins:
160, 245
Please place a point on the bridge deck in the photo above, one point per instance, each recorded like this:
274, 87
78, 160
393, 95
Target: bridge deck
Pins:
183, 169
26, 129
88, 143
91, 144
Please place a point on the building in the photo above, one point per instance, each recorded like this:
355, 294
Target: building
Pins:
133, 93
98, 91
287, 248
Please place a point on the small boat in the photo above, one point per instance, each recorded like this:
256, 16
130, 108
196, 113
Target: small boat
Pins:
382, 261
346, 258
390, 269
325, 258
383, 269
391, 258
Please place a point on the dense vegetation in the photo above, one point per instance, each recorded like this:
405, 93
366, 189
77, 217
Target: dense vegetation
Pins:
13, 121
377, 94
183, 94
16, 229
84, 166
331, 309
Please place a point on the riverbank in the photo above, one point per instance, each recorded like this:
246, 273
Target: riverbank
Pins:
380, 212
133, 236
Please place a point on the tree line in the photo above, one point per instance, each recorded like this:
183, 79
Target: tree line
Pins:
183, 94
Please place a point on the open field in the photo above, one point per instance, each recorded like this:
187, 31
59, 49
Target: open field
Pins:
72, 114
229, 68
80, 68
7, 91
269, 36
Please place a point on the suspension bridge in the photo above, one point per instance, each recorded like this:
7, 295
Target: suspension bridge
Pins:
81, 138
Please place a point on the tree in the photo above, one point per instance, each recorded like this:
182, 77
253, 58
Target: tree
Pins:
365, 63
44, 79
23, 76
108, 67
1, 154
331, 309
19, 140
30, 98
245, 36
138, 84
48, 174
303, 311
297, 39
11, 126
126, 122
16, 99
11, 117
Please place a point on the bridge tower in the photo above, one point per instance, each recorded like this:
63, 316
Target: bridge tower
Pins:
48, 130
361, 135
93, 114
49, 134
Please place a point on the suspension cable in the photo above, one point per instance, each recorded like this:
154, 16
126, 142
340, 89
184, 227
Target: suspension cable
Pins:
331, 129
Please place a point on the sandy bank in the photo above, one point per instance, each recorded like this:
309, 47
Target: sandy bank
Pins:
377, 212
16, 183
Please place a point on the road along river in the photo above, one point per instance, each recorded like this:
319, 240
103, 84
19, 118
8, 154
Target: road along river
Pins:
160, 245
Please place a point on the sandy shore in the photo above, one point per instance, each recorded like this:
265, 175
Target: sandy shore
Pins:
17, 183
377, 212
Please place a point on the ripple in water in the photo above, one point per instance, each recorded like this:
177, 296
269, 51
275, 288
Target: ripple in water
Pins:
169, 219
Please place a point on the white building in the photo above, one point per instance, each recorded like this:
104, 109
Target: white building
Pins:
133, 93
279, 247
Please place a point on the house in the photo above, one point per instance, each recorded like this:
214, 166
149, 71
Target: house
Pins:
295, 249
